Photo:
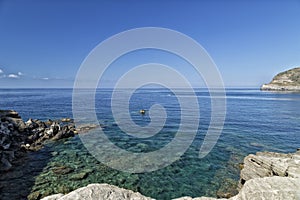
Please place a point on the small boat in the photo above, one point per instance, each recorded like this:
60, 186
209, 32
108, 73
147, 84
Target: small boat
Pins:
142, 111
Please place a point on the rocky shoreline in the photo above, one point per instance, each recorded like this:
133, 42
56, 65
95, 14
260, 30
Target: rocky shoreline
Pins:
274, 87
18, 137
266, 175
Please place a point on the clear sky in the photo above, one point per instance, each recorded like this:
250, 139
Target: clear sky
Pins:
43, 43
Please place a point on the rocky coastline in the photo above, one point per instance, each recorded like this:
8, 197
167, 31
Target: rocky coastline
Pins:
266, 175
275, 87
285, 81
18, 137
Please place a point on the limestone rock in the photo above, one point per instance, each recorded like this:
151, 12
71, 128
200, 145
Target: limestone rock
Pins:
67, 120
99, 192
285, 81
265, 164
198, 198
270, 188
53, 197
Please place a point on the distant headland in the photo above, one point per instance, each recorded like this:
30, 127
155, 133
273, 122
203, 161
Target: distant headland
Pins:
285, 81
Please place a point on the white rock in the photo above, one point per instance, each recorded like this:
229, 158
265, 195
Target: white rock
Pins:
49, 132
53, 197
29, 122
270, 188
101, 192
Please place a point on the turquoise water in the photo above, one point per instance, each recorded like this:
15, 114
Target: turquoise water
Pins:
255, 121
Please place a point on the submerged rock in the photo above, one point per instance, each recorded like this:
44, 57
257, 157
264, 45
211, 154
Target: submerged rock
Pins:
62, 170
266, 175
79, 176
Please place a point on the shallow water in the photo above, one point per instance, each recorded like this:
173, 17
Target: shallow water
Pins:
255, 121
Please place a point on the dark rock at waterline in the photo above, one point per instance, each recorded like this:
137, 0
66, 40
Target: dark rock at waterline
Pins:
66, 132
42, 131
11, 136
18, 136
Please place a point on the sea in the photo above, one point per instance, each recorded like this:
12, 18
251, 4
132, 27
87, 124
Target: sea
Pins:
255, 121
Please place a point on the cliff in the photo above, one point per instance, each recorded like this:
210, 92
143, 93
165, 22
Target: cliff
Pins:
285, 81
266, 175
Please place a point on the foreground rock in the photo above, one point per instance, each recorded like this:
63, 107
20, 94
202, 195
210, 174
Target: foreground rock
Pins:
265, 176
269, 175
285, 81
268, 188
99, 191
266, 164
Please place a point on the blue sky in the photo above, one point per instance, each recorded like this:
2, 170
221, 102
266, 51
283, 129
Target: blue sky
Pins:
43, 43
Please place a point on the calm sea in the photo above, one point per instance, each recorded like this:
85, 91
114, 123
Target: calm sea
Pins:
255, 121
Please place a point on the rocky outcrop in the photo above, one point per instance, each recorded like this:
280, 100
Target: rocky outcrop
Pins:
285, 81
269, 188
38, 132
17, 136
265, 176
266, 164
11, 136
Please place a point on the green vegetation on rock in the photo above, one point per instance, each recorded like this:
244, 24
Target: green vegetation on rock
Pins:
285, 81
